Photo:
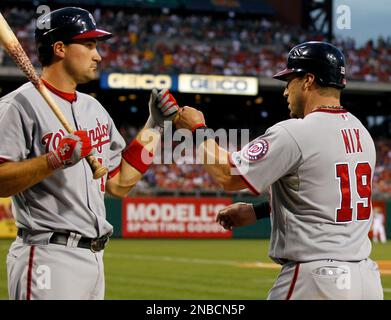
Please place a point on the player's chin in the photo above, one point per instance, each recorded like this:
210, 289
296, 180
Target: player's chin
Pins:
94, 73
90, 75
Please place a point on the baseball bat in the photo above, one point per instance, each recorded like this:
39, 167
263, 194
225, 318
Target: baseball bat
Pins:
176, 118
16, 52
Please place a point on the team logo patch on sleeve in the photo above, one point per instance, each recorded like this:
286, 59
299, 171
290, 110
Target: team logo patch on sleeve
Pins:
256, 150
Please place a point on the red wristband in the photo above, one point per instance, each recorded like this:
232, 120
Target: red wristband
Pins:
198, 125
137, 156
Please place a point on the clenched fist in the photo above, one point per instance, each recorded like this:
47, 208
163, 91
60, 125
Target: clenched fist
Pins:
71, 149
239, 214
190, 118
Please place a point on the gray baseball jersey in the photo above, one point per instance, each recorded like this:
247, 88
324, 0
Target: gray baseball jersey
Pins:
70, 199
319, 170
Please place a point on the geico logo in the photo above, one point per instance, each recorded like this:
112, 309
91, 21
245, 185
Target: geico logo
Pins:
180, 212
138, 81
224, 85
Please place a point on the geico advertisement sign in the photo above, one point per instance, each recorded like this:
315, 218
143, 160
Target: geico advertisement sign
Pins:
217, 84
173, 217
135, 81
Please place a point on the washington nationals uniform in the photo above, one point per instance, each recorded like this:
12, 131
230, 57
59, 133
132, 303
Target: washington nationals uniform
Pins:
69, 200
319, 170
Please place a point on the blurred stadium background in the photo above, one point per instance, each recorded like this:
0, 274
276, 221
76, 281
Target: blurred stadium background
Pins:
211, 54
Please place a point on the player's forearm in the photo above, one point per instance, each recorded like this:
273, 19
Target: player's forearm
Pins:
16, 177
216, 163
122, 183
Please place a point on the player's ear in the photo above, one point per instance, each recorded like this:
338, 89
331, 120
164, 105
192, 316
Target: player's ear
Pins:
309, 80
59, 49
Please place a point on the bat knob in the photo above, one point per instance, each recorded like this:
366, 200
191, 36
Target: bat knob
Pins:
97, 168
176, 118
100, 172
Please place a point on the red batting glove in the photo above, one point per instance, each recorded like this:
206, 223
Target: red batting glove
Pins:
71, 149
167, 104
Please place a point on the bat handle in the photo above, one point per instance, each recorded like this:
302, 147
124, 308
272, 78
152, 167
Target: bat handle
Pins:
96, 167
176, 118
98, 170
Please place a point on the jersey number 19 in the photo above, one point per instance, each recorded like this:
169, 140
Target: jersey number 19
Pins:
362, 175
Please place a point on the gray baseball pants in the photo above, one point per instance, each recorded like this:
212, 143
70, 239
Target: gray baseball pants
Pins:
328, 280
54, 272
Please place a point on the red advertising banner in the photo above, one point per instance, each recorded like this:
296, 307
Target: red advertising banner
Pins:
173, 217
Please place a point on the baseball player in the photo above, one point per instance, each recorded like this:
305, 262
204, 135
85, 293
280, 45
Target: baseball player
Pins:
58, 206
319, 167
378, 229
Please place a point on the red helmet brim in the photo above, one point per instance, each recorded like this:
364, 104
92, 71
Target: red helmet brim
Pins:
93, 34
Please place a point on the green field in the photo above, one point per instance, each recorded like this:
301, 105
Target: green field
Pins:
189, 269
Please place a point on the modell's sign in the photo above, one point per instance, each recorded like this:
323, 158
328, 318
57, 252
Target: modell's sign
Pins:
173, 218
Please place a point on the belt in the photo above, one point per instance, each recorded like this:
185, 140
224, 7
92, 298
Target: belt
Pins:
94, 244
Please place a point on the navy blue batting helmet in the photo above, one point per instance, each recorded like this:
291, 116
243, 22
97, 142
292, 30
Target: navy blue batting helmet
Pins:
67, 24
324, 60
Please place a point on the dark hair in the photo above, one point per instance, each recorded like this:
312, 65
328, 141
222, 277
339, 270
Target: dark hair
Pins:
45, 54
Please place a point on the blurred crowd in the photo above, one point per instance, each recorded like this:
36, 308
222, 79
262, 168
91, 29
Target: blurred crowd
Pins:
172, 44
382, 175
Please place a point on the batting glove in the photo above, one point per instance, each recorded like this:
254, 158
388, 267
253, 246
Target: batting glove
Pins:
71, 149
162, 107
